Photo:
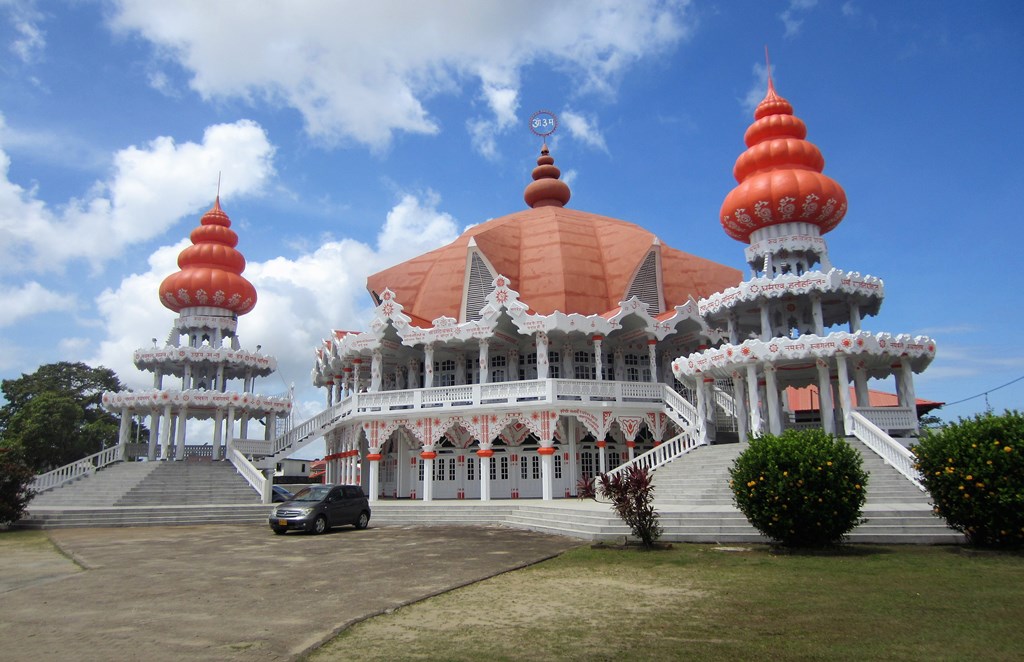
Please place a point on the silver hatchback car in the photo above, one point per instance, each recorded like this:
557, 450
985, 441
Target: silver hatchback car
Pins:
319, 507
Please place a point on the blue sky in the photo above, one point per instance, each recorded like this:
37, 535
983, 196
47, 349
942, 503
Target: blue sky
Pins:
353, 135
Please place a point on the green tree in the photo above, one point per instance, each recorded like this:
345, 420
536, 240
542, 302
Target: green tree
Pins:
54, 415
15, 478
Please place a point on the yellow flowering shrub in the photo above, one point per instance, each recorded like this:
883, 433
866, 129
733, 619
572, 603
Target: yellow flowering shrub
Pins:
803, 488
974, 471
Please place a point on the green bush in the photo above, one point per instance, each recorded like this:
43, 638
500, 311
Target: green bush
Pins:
974, 471
804, 488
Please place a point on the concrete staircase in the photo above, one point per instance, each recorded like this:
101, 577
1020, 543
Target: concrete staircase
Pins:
147, 494
691, 494
695, 501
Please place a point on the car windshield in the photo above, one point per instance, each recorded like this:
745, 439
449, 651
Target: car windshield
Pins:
316, 493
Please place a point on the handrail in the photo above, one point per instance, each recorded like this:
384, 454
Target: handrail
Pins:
250, 473
894, 454
662, 454
680, 405
69, 472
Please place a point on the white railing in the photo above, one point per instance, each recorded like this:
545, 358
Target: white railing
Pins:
250, 473
533, 392
252, 446
680, 406
77, 469
661, 454
890, 418
888, 448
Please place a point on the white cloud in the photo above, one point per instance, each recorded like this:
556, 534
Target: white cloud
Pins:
150, 188
583, 128
755, 94
31, 40
29, 299
300, 299
360, 72
791, 17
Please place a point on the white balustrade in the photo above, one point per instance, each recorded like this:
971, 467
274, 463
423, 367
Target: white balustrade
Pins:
253, 475
888, 448
251, 446
662, 454
890, 418
77, 469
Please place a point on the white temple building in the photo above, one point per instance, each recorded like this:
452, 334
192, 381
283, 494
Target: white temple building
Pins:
544, 347
549, 345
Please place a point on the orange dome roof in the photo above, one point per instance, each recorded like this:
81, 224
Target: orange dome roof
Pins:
779, 176
211, 270
557, 259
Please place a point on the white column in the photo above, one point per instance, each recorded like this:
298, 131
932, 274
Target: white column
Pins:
374, 458
356, 364
907, 392
428, 456
186, 377
860, 384
733, 326
218, 424
546, 470
165, 448
484, 362
460, 368
819, 318
827, 411
330, 394
602, 456
844, 391
513, 365
229, 427
772, 394
652, 356
415, 378
125, 429
619, 358
428, 366
154, 434
599, 358
179, 452
376, 370
568, 361
243, 426
271, 433
542, 355
702, 409
739, 397
854, 317
485, 453
752, 400
766, 324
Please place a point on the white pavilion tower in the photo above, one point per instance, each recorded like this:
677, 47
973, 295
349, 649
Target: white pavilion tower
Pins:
797, 321
202, 372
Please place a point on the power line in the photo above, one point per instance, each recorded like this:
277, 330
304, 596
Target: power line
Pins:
984, 393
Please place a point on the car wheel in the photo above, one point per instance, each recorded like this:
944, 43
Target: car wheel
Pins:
320, 524
363, 521
279, 532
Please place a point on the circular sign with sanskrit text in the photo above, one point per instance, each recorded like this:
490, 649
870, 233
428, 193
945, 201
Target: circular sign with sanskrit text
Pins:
543, 123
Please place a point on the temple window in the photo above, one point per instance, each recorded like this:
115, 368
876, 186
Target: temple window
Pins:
583, 366
554, 364
558, 466
498, 365
504, 467
535, 466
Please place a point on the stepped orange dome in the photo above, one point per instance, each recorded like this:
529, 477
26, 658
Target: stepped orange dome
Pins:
211, 270
779, 176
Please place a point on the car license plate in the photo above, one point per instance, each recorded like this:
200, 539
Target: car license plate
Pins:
282, 522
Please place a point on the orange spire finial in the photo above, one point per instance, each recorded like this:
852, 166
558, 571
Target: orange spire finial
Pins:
779, 175
546, 189
211, 269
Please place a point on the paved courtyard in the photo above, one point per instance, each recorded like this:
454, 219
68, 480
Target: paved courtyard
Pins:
232, 592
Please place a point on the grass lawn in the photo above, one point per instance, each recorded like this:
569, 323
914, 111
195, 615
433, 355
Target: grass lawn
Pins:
700, 602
